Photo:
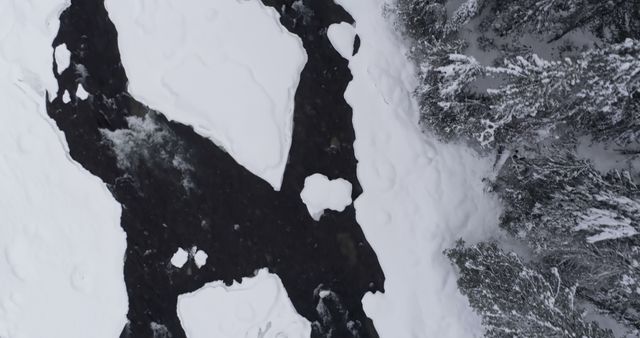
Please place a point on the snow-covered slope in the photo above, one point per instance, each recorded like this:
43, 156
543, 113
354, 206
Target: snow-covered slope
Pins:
61, 245
419, 195
227, 68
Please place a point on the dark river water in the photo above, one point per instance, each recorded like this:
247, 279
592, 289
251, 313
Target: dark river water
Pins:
178, 189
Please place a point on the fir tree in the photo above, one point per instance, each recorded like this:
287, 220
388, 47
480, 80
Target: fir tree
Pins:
516, 299
613, 20
450, 106
582, 222
597, 93
467, 11
422, 20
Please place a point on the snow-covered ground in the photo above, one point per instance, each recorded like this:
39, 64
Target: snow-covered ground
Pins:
419, 195
61, 245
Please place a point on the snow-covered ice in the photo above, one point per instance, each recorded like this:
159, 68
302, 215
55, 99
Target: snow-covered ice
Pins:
342, 36
81, 93
179, 258
61, 245
63, 57
320, 193
227, 68
257, 307
65, 97
199, 257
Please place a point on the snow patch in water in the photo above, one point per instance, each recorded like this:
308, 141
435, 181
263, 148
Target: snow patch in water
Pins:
81, 93
342, 36
65, 97
257, 307
63, 57
199, 257
179, 258
320, 193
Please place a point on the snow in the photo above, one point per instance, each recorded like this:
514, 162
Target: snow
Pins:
81, 93
608, 224
342, 36
61, 245
227, 68
65, 97
179, 258
419, 195
257, 307
63, 57
200, 257
324, 293
320, 193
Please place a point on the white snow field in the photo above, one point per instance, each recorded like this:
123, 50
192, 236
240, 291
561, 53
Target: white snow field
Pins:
226, 67
419, 196
61, 245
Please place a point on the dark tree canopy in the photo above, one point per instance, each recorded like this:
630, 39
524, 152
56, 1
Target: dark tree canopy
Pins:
516, 299
582, 222
532, 78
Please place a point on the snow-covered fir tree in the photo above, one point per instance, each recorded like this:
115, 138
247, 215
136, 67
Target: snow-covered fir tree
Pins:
582, 222
597, 93
516, 299
613, 20
467, 11
449, 104
422, 20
